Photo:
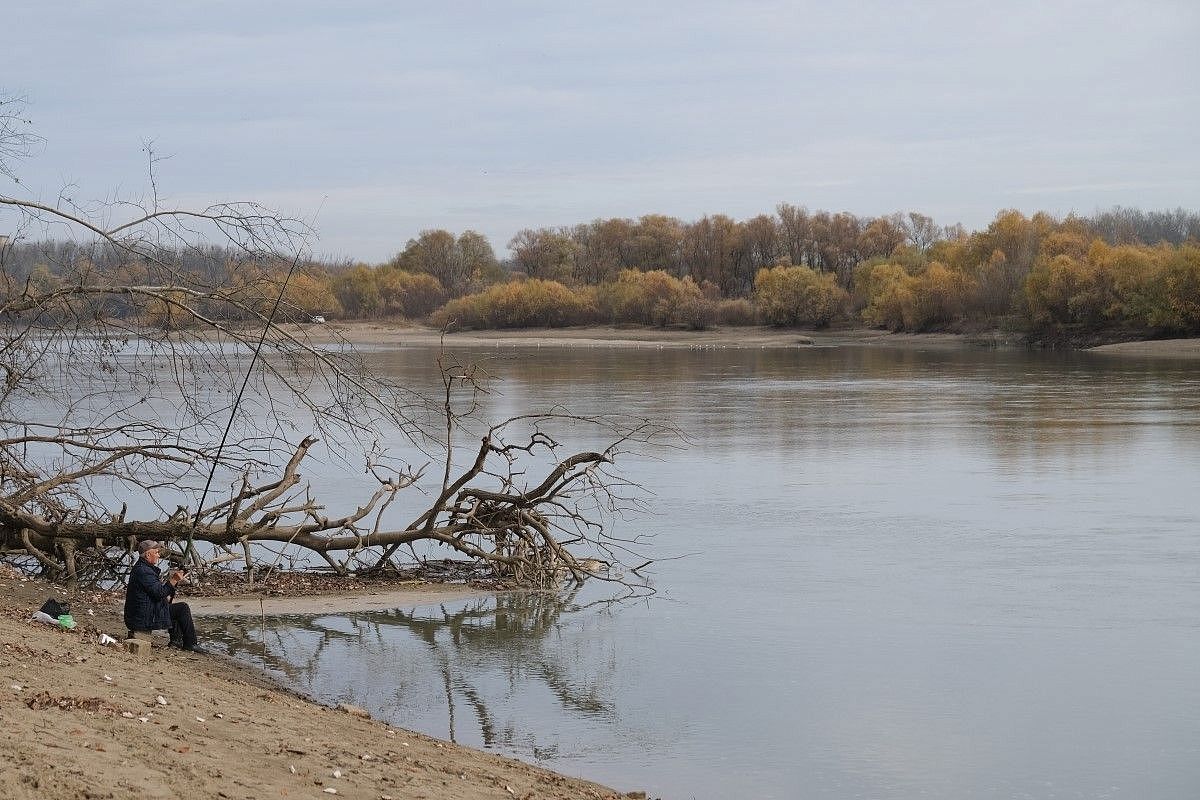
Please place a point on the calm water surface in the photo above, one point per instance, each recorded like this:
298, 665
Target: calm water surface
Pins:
944, 574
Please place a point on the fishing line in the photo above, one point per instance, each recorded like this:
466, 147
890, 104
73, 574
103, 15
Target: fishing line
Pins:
187, 551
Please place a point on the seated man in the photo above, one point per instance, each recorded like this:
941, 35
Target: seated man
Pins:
148, 605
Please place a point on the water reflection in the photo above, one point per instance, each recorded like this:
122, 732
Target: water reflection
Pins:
1021, 408
484, 659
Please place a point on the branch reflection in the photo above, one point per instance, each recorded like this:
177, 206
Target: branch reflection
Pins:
523, 666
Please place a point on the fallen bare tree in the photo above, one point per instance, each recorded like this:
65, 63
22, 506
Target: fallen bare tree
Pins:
525, 534
148, 361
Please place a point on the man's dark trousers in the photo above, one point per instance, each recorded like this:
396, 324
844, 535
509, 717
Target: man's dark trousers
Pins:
183, 630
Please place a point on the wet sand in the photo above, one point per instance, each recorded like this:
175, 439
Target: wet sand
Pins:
420, 594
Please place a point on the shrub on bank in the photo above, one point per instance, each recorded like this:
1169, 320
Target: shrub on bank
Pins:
364, 292
1129, 285
798, 296
695, 311
1181, 291
307, 296
1064, 290
357, 290
531, 303
739, 312
886, 290
934, 298
643, 298
939, 297
409, 294
655, 298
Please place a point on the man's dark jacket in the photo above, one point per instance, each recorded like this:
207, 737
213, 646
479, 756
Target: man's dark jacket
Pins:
148, 599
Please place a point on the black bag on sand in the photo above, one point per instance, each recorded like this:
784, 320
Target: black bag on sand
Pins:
55, 608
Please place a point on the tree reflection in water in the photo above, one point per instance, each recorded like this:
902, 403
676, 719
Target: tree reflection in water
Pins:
504, 659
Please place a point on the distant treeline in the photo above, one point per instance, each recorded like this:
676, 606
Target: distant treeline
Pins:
1118, 269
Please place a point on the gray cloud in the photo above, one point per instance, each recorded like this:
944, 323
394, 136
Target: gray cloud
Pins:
503, 116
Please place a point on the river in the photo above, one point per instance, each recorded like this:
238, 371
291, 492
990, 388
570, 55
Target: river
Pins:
887, 573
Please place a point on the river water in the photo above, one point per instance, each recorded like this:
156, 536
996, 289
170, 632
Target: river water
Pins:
889, 573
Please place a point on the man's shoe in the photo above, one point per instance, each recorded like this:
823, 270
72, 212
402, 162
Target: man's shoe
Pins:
196, 649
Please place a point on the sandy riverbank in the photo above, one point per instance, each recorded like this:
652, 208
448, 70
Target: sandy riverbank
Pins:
382, 334
1178, 349
399, 334
85, 721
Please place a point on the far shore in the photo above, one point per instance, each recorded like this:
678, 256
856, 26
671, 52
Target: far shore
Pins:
400, 334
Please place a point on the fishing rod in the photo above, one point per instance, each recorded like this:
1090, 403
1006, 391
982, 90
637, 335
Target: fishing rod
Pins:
187, 551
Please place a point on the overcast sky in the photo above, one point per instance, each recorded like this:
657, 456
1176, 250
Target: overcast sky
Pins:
385, 118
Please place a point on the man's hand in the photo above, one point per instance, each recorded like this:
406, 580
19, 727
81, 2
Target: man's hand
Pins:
176, 577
